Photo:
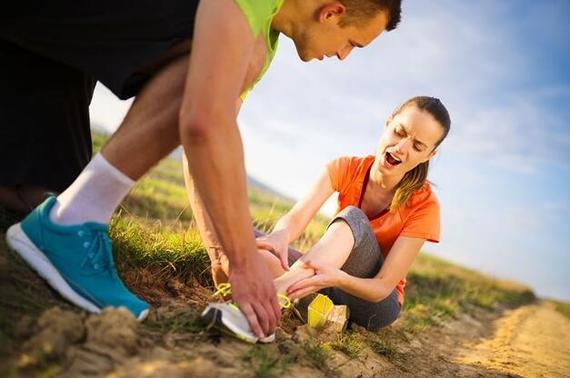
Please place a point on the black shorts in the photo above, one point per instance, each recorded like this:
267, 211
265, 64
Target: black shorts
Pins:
51, 55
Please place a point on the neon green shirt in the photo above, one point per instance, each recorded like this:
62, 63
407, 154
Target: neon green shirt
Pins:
259, 14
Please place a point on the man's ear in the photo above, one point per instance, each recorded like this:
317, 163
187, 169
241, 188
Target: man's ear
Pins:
331, 11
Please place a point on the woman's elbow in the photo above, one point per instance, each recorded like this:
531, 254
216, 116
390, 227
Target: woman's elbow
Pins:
382, 293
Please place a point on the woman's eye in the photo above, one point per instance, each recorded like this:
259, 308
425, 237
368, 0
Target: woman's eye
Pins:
417, 148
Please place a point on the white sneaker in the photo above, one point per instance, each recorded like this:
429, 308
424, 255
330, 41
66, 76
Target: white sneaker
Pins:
229, 318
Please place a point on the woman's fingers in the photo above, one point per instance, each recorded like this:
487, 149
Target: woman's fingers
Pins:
284, 257
299, 285
263, 244
303, 292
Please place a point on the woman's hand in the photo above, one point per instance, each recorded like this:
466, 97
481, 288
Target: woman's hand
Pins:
325, 276
277, 243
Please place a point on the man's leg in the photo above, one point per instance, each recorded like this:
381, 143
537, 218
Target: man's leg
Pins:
148, 133
45, 138
66, 240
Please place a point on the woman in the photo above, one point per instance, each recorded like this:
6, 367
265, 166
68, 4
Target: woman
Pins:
386, 212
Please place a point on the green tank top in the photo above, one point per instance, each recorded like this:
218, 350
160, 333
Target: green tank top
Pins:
259, 14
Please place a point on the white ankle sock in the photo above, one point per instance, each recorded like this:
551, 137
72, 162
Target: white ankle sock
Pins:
93, 196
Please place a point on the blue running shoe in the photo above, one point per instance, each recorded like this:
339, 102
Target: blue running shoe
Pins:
77, 261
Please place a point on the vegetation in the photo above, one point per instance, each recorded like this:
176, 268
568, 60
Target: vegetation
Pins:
158, 251
563, 308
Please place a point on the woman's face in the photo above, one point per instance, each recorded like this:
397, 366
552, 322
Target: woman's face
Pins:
409, 139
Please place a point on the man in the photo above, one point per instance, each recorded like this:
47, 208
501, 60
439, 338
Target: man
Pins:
181, 97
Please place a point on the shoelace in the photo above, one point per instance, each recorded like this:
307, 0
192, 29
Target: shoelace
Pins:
225, 289
99, 251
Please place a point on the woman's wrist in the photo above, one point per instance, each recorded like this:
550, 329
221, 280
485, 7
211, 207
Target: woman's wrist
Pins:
341, 279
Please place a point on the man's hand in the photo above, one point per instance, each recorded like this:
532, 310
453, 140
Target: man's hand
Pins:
277, 243
324, 277
253, 291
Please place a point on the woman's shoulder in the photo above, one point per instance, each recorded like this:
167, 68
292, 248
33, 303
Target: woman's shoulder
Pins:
348, 164
423, 196
353, 160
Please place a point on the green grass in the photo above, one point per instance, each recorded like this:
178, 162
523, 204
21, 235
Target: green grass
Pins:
187, 321
317, 353
174, 252
437, 290
562, 307
155, 240
349, 343
384, 347
268, 360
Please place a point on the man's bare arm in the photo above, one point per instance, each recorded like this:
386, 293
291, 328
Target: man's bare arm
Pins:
218, 260
221, 52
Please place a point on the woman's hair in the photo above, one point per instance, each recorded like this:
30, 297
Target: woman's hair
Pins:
416, 178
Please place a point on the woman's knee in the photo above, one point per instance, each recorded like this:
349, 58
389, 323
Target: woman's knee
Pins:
365, 258
358, 223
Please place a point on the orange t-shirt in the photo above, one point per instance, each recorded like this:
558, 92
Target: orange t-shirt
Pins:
418, 217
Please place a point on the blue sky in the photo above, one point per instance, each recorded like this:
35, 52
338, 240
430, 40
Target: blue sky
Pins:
503, 174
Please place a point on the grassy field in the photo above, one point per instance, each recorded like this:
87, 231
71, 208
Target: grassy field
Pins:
159, 254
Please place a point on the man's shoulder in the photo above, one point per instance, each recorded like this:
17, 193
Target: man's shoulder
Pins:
258, 13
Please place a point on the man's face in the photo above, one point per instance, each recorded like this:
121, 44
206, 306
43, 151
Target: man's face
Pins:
325, 37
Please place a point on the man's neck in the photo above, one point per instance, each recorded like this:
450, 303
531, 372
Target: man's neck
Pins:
290, 15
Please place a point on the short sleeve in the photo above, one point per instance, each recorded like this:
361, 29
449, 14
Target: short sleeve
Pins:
338, 170
424, 221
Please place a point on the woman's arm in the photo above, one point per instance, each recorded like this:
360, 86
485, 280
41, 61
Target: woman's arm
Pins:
291, 225
297, 219
395, 267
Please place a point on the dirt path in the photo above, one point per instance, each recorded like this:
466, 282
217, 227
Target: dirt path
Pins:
531, 341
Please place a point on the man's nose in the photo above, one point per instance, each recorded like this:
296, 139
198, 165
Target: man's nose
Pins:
343, 53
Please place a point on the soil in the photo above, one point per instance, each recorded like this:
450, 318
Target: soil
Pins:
531, 341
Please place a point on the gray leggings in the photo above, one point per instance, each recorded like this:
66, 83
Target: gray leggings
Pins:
364, 261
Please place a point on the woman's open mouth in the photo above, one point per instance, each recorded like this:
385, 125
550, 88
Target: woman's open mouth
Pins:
391, 159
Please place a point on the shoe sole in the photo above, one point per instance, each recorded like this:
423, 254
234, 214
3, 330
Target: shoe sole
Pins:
25, 248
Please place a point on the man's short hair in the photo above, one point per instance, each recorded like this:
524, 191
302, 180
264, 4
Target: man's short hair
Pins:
361, 10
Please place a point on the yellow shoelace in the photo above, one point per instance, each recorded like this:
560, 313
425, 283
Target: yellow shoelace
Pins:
225, 289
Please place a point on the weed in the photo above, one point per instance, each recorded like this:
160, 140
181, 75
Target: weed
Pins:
349, 344
563, 308
317, 353
384, 348
266, 360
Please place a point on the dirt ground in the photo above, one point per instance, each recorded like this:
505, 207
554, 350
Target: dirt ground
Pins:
531, 341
